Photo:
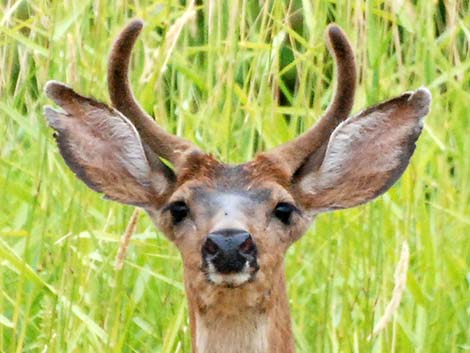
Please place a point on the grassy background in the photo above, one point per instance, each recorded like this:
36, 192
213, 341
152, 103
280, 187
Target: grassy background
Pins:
243, 76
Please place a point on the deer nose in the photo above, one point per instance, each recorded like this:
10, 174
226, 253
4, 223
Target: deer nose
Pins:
229, 250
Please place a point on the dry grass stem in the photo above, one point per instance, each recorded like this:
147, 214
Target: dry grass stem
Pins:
400, 284
126, 238
174, 32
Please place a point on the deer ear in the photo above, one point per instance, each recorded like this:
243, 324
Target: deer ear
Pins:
365, 154
104, 149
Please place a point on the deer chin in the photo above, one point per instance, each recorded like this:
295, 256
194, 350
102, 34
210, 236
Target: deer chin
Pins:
230, 280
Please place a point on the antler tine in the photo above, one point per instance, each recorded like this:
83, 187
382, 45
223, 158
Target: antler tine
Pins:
161, 142
294, 153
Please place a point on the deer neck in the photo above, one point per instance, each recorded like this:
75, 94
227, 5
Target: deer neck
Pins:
250, 319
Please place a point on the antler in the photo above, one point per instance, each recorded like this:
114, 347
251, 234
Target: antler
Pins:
294, 153
162, 143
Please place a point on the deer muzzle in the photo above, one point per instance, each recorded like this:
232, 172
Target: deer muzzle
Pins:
230, 257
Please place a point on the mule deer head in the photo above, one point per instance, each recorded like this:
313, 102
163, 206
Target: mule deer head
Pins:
234, 223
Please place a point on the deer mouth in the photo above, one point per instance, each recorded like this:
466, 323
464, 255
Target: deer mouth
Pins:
231, 279
229, 257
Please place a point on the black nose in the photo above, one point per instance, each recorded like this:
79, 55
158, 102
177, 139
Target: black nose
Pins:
229, 250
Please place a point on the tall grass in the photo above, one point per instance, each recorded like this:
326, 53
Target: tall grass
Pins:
243, 76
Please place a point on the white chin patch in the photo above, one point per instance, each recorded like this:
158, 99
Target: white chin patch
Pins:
229, 279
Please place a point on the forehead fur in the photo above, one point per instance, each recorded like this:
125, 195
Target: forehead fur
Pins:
207, 171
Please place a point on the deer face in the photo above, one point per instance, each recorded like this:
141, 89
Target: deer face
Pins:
234, 228
233, 224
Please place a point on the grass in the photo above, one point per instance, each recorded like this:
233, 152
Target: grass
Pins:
240, 78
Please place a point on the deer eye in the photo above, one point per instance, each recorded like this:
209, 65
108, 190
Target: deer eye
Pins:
179, 211
283, 212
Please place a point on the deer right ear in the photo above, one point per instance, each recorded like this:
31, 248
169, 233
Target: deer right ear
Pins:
365, 155
104, 150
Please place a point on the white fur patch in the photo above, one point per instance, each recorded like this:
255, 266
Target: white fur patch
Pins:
231, 279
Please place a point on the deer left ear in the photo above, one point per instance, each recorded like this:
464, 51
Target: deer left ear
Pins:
365, 155
104, 149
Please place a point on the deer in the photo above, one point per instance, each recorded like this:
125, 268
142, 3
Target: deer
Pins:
233, 224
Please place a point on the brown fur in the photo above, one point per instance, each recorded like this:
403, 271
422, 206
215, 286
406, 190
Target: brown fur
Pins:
199, 166
264, 169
